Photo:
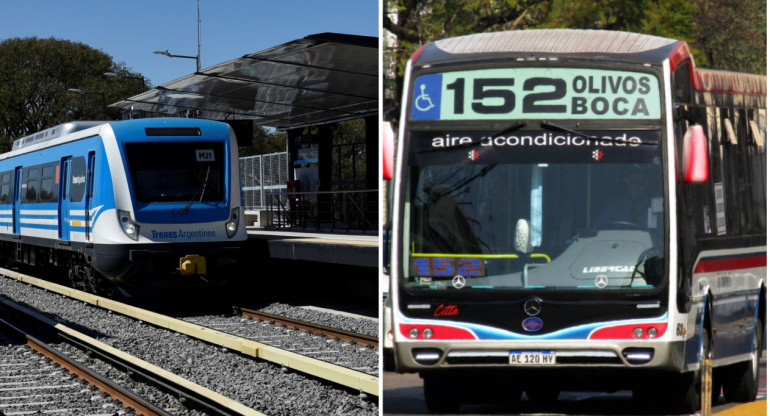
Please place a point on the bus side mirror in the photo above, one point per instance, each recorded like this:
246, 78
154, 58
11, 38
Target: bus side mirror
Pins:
695, 164
388, 143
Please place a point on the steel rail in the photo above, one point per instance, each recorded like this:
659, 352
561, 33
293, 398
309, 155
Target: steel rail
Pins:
333, 373
130, 400
361, 339
187, 390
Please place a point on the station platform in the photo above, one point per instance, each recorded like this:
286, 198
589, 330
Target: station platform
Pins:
343, 249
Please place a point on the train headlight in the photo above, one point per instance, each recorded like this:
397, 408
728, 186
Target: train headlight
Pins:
130, 228
231, 226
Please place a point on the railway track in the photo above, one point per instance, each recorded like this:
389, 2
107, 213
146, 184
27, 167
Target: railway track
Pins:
84, 359
313, 328
37, 378
277, 382
316, 342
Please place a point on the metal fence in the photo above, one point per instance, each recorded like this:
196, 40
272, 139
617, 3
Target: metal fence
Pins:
264, 187
324, 211
262, 174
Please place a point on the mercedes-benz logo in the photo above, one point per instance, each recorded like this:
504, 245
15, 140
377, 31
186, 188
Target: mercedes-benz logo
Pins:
533, 306
601, 281
458, 282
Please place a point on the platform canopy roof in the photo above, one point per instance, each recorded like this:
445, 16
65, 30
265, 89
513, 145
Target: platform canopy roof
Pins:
316, 80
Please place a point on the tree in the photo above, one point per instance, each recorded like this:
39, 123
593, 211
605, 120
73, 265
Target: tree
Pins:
722, 34
416, 22
732, 34
602, 14
264, 142
349, 154
36, 74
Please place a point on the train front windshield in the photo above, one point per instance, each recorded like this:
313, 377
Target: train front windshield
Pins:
177, 171
534, 207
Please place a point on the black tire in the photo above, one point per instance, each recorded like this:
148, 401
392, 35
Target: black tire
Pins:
687, 388
441, 396
743, 378
388, 360
716, 387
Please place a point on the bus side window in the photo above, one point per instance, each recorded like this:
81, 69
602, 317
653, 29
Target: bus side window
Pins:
757, 162
716, 158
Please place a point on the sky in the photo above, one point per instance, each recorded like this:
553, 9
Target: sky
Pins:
130, 31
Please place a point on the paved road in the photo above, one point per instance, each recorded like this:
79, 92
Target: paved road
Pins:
402, 395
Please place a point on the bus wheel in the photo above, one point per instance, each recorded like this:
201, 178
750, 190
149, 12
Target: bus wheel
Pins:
686, 389
441, 393
742, 379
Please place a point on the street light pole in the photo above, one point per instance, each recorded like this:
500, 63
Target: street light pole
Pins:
104, 99
196, 57
170, 55
114, 75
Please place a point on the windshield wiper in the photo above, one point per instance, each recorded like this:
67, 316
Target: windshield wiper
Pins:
552, 126
201, 191
510, 129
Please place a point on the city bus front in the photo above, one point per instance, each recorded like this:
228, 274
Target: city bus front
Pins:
532, 231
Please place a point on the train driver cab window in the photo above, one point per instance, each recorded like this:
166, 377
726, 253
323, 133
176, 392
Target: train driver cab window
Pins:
195, 172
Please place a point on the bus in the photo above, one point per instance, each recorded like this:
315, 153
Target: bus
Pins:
577, 210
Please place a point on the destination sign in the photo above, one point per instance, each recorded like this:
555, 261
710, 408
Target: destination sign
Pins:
536, 93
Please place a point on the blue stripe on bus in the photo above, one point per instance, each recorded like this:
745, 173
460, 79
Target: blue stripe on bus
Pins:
486, 333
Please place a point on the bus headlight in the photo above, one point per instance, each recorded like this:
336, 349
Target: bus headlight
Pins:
231, 226
130, 228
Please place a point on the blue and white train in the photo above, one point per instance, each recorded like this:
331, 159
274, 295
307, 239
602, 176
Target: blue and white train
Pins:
141, 207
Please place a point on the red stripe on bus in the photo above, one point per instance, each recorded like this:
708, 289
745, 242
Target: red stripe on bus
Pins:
440, 332
736, 263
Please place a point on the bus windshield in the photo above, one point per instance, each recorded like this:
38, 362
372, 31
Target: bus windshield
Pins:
534, 209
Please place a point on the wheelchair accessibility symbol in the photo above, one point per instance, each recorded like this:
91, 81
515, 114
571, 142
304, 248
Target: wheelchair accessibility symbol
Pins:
423, 101
426, 97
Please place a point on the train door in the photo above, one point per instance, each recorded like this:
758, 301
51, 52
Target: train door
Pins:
64, 192
17, 201
89, 192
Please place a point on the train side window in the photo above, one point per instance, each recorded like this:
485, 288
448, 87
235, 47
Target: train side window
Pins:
48, 192
5, 188
77, 179
32, 184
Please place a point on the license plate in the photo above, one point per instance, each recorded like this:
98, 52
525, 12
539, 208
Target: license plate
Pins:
532, 358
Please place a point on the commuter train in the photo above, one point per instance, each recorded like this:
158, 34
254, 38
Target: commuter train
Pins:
136, 207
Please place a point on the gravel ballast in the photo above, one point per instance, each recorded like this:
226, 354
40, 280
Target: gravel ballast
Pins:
263, 386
